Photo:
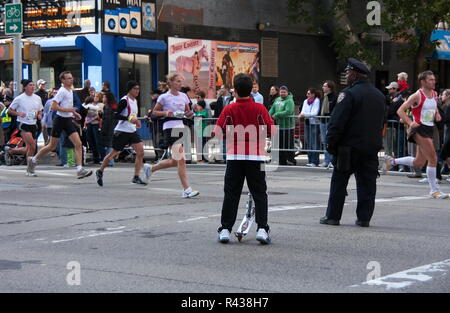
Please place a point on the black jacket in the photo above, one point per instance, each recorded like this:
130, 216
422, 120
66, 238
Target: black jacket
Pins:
108, 125
357, 119
219, 105
43, 95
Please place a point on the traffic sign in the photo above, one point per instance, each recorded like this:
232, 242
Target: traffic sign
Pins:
13, 19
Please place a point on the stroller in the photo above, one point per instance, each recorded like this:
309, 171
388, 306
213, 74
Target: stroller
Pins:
15, 150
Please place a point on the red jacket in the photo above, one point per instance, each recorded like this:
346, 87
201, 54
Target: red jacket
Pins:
403, 86
246, 124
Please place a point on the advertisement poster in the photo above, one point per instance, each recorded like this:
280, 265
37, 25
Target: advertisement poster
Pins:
149, 17
206, 65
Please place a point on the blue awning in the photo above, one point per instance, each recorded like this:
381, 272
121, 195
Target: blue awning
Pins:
62, 43
443, 49
136, 45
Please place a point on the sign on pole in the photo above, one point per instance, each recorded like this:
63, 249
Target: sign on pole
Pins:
13, 19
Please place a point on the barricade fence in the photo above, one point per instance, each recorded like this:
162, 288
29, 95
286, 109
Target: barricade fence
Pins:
296, 136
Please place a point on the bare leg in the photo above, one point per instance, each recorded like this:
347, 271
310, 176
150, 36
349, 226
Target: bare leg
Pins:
48, 148
75, 138
139, 149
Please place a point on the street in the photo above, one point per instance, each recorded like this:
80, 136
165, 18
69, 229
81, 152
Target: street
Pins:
61, 234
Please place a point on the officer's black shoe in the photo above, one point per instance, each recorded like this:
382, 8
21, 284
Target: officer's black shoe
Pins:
362, 223
328, 221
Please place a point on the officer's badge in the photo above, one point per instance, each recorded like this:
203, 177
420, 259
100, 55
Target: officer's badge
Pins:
341, 97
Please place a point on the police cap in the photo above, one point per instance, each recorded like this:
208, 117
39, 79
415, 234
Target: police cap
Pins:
357, 66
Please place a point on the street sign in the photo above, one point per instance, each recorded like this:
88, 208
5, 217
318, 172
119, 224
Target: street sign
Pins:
13, 19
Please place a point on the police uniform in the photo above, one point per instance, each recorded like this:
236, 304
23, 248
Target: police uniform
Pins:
354, 138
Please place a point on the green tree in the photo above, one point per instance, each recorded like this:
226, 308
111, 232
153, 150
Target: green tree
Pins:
410, 22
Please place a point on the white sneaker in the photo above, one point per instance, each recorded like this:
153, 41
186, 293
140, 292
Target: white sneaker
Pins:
448, 178
263, 237
224, 236
147, 172
189, 193
439, 195
330, 166
323, 164
311, 165
425, 180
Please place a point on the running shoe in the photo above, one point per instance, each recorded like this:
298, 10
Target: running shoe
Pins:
263, 237
387, 165
189, 193
99, 176
147, 172
224, 236
83, 173
30, 165
439, 195
448, 179
425, 180
138, 180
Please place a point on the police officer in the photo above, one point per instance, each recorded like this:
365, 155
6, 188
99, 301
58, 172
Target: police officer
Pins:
354, 139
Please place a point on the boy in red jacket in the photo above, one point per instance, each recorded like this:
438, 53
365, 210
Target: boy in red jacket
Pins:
246, 125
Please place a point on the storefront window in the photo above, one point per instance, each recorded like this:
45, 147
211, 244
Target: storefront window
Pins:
136, 67
54, 63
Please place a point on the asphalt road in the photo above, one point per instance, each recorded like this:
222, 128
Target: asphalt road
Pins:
128, 238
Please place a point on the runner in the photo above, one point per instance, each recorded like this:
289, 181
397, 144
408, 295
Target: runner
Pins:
423, 105
63, 104
167, 104
28, 109
125, 133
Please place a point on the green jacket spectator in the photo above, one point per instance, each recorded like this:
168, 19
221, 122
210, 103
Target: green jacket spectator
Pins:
282, 111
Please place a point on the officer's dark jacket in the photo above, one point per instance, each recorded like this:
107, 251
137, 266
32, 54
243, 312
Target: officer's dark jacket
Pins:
357, 119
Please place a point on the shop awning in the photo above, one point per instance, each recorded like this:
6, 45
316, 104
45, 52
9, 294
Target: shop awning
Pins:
443, 49
137, 45
62, 43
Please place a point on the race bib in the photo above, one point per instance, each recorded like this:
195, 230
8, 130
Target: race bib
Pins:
428, 116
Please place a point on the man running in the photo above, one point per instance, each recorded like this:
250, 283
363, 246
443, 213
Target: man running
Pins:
28, 109
125, 133
63, 104
423, 105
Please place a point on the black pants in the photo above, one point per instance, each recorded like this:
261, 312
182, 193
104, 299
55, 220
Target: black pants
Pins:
286, 142
236, 173
365, 168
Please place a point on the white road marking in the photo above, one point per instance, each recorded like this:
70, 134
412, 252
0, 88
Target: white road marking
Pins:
297, 207
38, 173
89, 236
410, 277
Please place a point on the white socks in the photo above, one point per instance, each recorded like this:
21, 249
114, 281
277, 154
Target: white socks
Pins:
79, 167
34, 160
432, 181
408, 161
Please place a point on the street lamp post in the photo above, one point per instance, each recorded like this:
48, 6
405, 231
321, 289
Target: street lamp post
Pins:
17, 60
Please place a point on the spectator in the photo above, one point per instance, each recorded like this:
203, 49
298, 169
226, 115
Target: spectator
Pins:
8, 121
402, 83
200, 111
106, 86
108, 125
47, 119
329, 100
396, 131
92, 125
274, 93
223, 99
445, 151
92, 93
85, 92
42, 93
310, 110
256, 95
281, 112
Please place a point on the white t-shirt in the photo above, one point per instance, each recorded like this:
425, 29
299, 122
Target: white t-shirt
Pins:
64, 98
30, 105
174, 103
125, 126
